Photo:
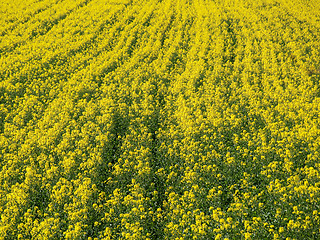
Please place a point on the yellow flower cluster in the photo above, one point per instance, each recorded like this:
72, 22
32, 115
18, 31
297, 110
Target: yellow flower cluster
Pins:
159, 119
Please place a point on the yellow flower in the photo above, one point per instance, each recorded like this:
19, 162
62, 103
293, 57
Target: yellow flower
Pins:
218, 236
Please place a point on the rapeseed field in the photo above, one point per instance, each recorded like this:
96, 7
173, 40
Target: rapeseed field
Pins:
159, 119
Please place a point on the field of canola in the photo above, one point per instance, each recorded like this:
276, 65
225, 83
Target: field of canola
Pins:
159, 119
